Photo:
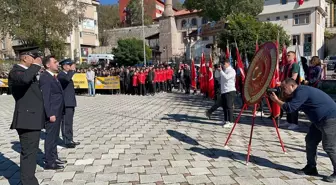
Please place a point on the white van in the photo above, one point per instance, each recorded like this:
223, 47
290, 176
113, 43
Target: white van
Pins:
98, 58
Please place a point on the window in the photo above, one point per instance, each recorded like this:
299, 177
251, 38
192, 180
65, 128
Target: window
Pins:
286, 16
80, 34
318, 18
277, 18
194, 22
301, 18
296, 40
205, 38
183, 24
3, 44
204, 20
283, 1
184, 35
308, 38
307, 46
268, 19
95, 22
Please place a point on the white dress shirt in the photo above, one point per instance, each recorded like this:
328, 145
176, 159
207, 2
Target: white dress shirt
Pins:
90, 75
228, 80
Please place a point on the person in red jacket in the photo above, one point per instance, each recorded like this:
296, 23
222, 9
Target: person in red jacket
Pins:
170, 74
135, 83
158, 81
164, 72
141, 80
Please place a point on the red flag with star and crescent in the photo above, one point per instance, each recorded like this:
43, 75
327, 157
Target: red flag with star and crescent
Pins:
211, 81
193, 75
275, 84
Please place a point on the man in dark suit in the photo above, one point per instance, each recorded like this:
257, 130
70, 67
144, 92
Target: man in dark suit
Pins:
29, 116
65, 78
54, 107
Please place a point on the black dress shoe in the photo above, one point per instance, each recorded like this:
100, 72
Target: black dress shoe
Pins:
53, 166
308, 170
75, 143
59, 161
70, 145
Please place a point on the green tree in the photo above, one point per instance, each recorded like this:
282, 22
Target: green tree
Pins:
40, 22
218, 9
108, 18
177, 4
246, 29
130, 52
134, 12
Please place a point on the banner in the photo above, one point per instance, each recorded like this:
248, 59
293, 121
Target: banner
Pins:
3, 82
80, 82
111, 82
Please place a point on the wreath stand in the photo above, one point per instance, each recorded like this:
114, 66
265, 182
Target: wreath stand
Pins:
253, 122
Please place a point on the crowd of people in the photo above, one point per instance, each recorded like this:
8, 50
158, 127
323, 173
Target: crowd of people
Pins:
143, 81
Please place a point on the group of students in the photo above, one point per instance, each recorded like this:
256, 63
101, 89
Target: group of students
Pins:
152, 80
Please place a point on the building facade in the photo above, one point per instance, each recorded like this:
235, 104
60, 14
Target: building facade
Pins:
304, 23
79, 43
157, 7
84, 38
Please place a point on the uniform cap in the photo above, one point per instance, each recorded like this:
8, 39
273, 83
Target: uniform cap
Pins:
67, 61
31, 51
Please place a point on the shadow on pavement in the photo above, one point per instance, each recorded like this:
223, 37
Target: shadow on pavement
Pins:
199, 101
191, 119
8, 168
40, 155
182, 137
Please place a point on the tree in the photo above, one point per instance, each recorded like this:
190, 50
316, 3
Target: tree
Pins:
177, 4
40, 22
134, 12
218, 9
246, 29
130, 52
108, 19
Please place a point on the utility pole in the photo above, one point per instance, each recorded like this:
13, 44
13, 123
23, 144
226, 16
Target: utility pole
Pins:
143, 31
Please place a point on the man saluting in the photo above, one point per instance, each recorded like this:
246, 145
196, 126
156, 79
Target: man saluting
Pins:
65, 78
29, 117
54, 106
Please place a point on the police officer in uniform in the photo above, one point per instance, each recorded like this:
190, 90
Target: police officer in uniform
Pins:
29, 116
53, 99
65, 78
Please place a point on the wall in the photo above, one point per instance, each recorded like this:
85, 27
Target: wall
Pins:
273, 10
130, 32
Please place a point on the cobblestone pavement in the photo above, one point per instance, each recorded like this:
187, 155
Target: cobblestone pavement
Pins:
164, 139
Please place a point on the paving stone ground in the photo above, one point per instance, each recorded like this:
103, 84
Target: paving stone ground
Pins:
164, 139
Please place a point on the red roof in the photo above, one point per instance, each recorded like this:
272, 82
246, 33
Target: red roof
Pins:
185, 12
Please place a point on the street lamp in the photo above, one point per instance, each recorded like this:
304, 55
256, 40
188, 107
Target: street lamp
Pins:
143, 31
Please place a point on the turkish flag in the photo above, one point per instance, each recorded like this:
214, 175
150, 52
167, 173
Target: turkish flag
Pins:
193, 75
203, 80
276, 109
301, 2
211, 82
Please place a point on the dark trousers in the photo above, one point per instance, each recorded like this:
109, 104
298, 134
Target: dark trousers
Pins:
151, 87
227, 104
293, 117
187, 82
218, 103
142, 89
162, 86
135, 90
50, 144
29, 140
67, 125
325, 132
169, 85
122, 87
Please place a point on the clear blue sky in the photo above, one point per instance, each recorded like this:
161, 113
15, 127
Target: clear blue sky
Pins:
113, 1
